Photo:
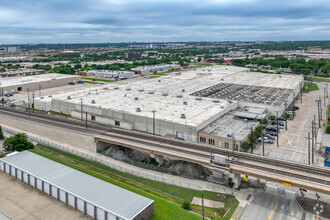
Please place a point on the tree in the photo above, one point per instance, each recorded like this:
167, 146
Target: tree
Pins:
326, 68
1, 134
18, 142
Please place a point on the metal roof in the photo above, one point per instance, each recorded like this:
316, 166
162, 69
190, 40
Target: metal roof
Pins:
114, 199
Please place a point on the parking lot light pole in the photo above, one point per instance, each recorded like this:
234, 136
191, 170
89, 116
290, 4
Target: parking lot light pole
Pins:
153, 121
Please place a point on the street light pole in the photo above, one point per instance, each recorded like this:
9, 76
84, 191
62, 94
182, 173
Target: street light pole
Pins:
153, 121
81, 109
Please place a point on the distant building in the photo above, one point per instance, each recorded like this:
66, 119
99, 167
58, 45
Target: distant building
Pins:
9, 49
133, 55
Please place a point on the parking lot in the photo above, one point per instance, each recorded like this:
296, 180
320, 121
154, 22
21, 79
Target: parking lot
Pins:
293, 143
21, 201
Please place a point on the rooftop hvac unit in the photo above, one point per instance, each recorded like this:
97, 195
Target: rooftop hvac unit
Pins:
151, 92
179, 96
165, 94
183, 116
93, 102
136, 98
198, 98
141, 90
185, 103
128, 89
69, 97
138, 109
216, 100
105, 88
116, 87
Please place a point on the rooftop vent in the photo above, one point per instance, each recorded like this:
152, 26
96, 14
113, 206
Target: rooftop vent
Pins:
128, 89
151, 92
185, 103
179, 96
141, 90
183, 90
198, 98
69, 97
93, 102
165, 94
138, 109
136, 98
216, 100
183, 116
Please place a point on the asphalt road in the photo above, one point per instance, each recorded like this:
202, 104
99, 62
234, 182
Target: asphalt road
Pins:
273, 204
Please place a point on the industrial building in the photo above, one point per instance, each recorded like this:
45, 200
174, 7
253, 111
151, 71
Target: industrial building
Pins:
133, 55
108, 74
21, 73
17, 84
83, 192
9, 49
185, 105
147, 70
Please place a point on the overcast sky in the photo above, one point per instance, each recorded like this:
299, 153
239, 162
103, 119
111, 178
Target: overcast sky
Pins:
74, 21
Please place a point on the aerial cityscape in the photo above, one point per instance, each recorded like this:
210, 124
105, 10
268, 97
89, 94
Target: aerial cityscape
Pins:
164, 110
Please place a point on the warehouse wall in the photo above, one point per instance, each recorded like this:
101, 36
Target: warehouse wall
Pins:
34, 86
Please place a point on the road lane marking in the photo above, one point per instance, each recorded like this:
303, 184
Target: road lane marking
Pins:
294, 153
271, 215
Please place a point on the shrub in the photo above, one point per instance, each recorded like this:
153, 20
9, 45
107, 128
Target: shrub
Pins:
272, 117
328, 129
1, 134
186, 205
18, 142
245, 145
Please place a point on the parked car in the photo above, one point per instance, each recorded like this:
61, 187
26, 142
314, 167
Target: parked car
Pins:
291, 109
290, 113
281, 123
279, 126
282, 119
266, 140
296, 107
272, 133
271, 129
269, 136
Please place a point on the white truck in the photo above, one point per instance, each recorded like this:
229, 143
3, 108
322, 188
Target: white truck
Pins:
219, 159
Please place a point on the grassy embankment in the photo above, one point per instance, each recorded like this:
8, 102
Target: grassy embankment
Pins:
168, 198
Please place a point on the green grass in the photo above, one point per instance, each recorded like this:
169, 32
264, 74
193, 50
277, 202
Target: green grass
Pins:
35, 110
321, 79
152, 77
312, 88
163, 209
59, 113
100, 80
91, 82
175, 191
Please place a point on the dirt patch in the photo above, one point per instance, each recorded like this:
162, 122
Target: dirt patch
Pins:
208, 203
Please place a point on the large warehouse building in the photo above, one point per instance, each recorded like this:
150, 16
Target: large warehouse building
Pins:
88, 194
182, 104
17, 84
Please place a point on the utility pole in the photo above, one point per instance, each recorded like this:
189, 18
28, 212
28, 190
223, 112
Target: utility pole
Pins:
308, 138
301, 92
233, 142
33, 101
153, 121
286, 122
203, 207
263, 140
313, 135
86, 119
318, 111
251, 140
294, 94
39, 90
3, 101
81, 109
277, 136
320, 98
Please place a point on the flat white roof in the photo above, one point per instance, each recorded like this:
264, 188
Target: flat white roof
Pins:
112, 198
121, 98
20, 80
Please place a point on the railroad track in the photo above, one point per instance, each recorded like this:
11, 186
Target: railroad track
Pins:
162, 142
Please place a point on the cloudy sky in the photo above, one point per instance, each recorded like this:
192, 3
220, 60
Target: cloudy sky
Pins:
74, 21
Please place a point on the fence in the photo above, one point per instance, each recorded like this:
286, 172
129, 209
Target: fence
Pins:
165, 178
